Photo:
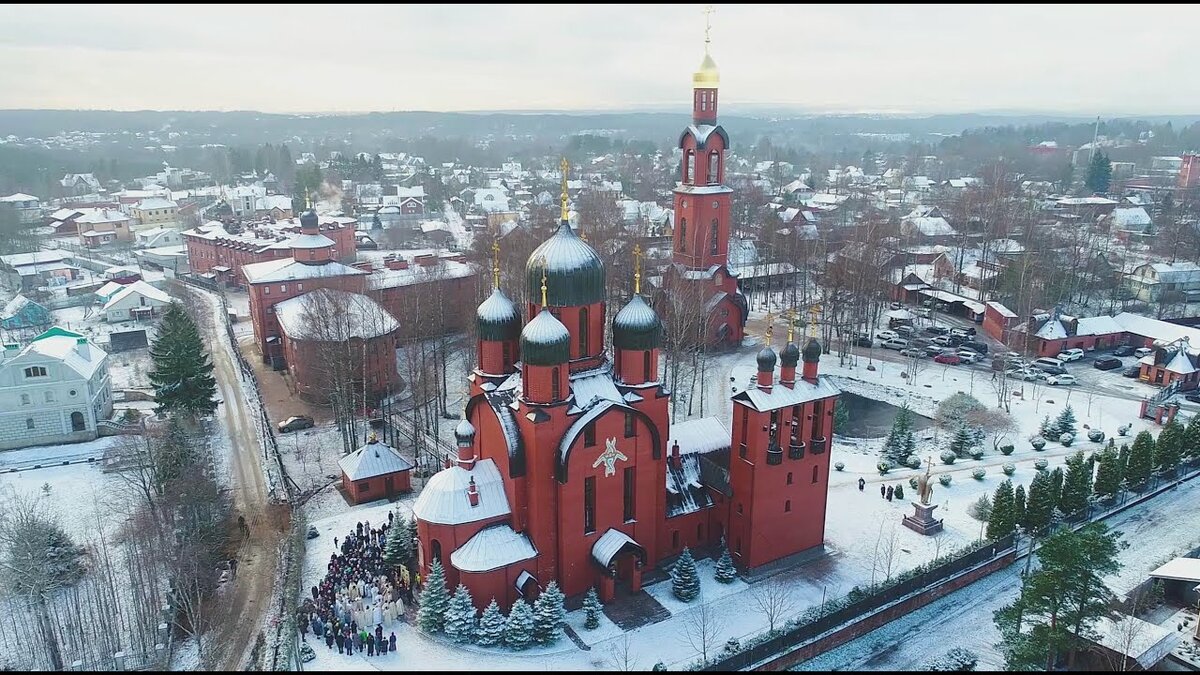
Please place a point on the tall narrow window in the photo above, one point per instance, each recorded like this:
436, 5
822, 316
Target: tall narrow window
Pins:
589, 435
589, 505
629, 493
689, 170
682, 232
630, 425
787, 506
712, 240
583, 331
814, 474
554, 386
714, 162
789, 478
435, 550
507, 354
646, 366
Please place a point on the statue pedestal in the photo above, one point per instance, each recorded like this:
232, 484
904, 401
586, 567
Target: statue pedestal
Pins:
922, 521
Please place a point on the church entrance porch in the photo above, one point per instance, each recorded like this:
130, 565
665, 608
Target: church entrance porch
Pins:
621, 559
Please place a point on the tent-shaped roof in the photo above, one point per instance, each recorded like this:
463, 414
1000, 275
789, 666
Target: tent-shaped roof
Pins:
371, 460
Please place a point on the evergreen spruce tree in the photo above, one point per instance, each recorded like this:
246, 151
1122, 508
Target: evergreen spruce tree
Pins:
1049, 428
491, 626
412, 538
1065, 424
1168, 450
1038, 505
518, 628
460, 616
592, 609
435, 600
726, 572
1099, 173
1056, 486
900, 442
963, 441
685, 583
548, 615
1123, 460
1002, 521
399, 548
1108, 474
841, 416
1191, 439
1077, 484
182, 373
1019, 505
1141, 460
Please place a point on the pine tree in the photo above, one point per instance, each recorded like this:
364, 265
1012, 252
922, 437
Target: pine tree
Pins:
548, 615
1108, 474
1002, 521
1065, 424
1168, 450
900, 442
726, 572
1038, 506
1019, 505
1049, 428
1056, 486
841, 416
182, 373
412, 537
1077, 484
592, 609
435, 600
518, 628
1123, 459
460, 616
963, 441
1099, 173
1141, 460
1191, 439
684, 581
491, 626
399, 548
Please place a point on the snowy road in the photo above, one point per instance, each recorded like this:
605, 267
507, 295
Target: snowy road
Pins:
1164, 526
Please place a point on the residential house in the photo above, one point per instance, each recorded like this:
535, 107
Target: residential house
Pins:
21, 313
54, 390
154, 213
138, 301
1150, 281
27, 207
156, 237
75, 184
27, 271
926, 223
1128, 220
275, 207
103, 226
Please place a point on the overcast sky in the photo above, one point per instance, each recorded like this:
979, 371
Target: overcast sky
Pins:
1087, 59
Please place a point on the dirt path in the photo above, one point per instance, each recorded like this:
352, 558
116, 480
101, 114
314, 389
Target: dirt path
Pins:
250, 596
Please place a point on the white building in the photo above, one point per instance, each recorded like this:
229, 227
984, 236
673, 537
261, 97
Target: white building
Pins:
138, 301
27, 207
55, 390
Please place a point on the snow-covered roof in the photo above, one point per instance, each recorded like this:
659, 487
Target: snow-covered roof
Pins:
591, 385
609, 544
931, 227
35, 258
1097, 325
348, 315
156, 203
1144, 642
900, 314
63, 345
371, 460
1175, 273
444, 499
14, 306
782, 397
19, 197
310, 241
1130, 217
700, 436
289, 269
141, 288
1001, 309
1085, 201
1052, 330
1180, 363
1179, 569
1155, 329
419, 274
108, 289
492, 548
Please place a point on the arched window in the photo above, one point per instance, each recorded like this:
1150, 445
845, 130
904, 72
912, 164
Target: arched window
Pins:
682, 234
29, 423
689, 167
712, 243
789, 478
435, 550
77, 422
814, 474
787, 506
554, 386
646, 367
583, 331
714, 167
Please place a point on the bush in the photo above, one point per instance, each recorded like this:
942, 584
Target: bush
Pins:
839, 465
978, 474
1066, 439
899, 494
977, 454
1006, 450
883, 468
948, 457
1009, 469
913, 462
1038, 443
912, 482
1095, 435
1041, 465
945, 479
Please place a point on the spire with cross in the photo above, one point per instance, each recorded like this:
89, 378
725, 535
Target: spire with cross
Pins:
637, 269
565, 167
496, 263
708, 12
813, 312
791, 324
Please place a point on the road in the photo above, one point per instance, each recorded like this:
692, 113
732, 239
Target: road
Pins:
1163, 527
240, 613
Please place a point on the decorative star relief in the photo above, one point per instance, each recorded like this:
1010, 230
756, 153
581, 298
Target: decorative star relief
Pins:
609, 457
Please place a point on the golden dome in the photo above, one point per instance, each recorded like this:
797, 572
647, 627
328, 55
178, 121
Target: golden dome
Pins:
707, 77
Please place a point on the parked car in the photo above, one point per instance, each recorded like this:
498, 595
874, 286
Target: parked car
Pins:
977, 346
948, 359
936, 330
943, 340
913, 352
1047, 362
1022, 374
295, 423
897, 305
963, 332
894, 343
864, 342
1141, 352
1123, 350
1061, 379
1107, 363
905, 331
1131, 371
956, 340
1070, 355
924, 312
933, 350
1193, 397
885, 335
968, 356
1049, 370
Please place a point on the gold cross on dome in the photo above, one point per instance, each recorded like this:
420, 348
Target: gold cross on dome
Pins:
496, 262
813, 312
791, 324
637, 268
708, 12
565, 167
770, 328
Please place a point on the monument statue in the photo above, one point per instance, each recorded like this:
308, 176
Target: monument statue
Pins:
924, 489
922, 520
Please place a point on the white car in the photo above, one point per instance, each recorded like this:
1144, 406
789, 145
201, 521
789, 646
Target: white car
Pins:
1061, 379
1142, 352
1070, 355
967, 355
894, 343
885, 335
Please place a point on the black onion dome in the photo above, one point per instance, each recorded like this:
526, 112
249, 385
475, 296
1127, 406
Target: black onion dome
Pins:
637, 326
498, 318
790, 355
545, 341
574, 272
308, 218
812, 351
766, 360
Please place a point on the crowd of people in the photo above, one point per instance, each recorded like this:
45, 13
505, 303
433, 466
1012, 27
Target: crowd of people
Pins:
359, 596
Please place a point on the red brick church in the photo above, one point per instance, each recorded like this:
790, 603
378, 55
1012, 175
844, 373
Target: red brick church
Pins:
568, 468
